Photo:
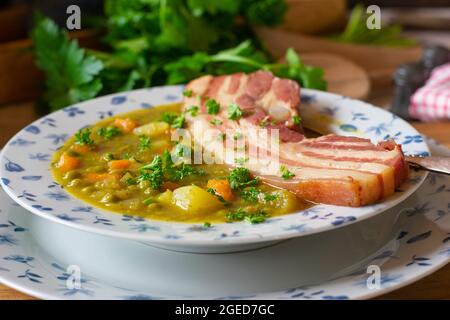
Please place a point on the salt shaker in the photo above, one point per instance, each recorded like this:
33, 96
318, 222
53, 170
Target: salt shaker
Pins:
407, 79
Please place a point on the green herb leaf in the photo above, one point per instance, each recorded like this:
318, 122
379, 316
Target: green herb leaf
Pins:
216, 122
70, 74
83, 137
108, 133
258, 217
178, 122
234, 112
168, 117
187, 93
144, 142
212, 106
192, 110
240, 178
286, 174
207, 225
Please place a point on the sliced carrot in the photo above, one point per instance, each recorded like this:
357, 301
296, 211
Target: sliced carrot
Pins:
68, 163
168, 185
119, 164
222, 188
95, 177
81, 149
127, 125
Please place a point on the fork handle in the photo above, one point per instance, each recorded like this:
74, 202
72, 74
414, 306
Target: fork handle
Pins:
434, 164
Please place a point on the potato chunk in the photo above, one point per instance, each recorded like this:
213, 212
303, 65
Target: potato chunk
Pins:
152, 129
194, 200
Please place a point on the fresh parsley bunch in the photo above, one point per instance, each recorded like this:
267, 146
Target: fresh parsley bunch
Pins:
159, 42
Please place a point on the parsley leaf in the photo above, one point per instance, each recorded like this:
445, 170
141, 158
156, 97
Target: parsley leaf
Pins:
216, 122
168, 117
240, 178
237, 215
192, 110
257, 217
187, 93
250, 194
144, 142
108, 133
83, 137
178, 122
296, 120
286, 174
253, 218
212, 106
234, 112
70, 74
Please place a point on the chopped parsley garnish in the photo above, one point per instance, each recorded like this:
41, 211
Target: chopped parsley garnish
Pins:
253, 218
144, 142
237, 215
212, 106
187, 93
250, 194
297, 120
257, 217
168, 117
207, 225
234, 112
108, 133
156, 175
240, 178
178, 122
192, 110
216, 122
163, 169
253, 195
271, 197
286, 174
83, 137
175, 120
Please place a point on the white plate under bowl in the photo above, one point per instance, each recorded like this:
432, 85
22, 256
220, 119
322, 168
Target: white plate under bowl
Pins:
35, 255
26, 177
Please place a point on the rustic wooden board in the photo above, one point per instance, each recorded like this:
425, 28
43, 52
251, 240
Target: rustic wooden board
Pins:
342, 75
378, 61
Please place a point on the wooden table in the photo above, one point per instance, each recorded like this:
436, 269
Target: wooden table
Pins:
436, 286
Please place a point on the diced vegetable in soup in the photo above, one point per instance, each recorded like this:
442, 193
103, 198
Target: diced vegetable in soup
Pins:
125, 164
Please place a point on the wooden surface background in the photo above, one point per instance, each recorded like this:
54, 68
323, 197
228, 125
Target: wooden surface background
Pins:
14, 117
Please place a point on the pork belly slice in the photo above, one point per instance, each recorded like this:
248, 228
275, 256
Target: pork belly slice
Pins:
331, 169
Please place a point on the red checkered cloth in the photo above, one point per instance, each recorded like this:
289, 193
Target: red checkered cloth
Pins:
432, 101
